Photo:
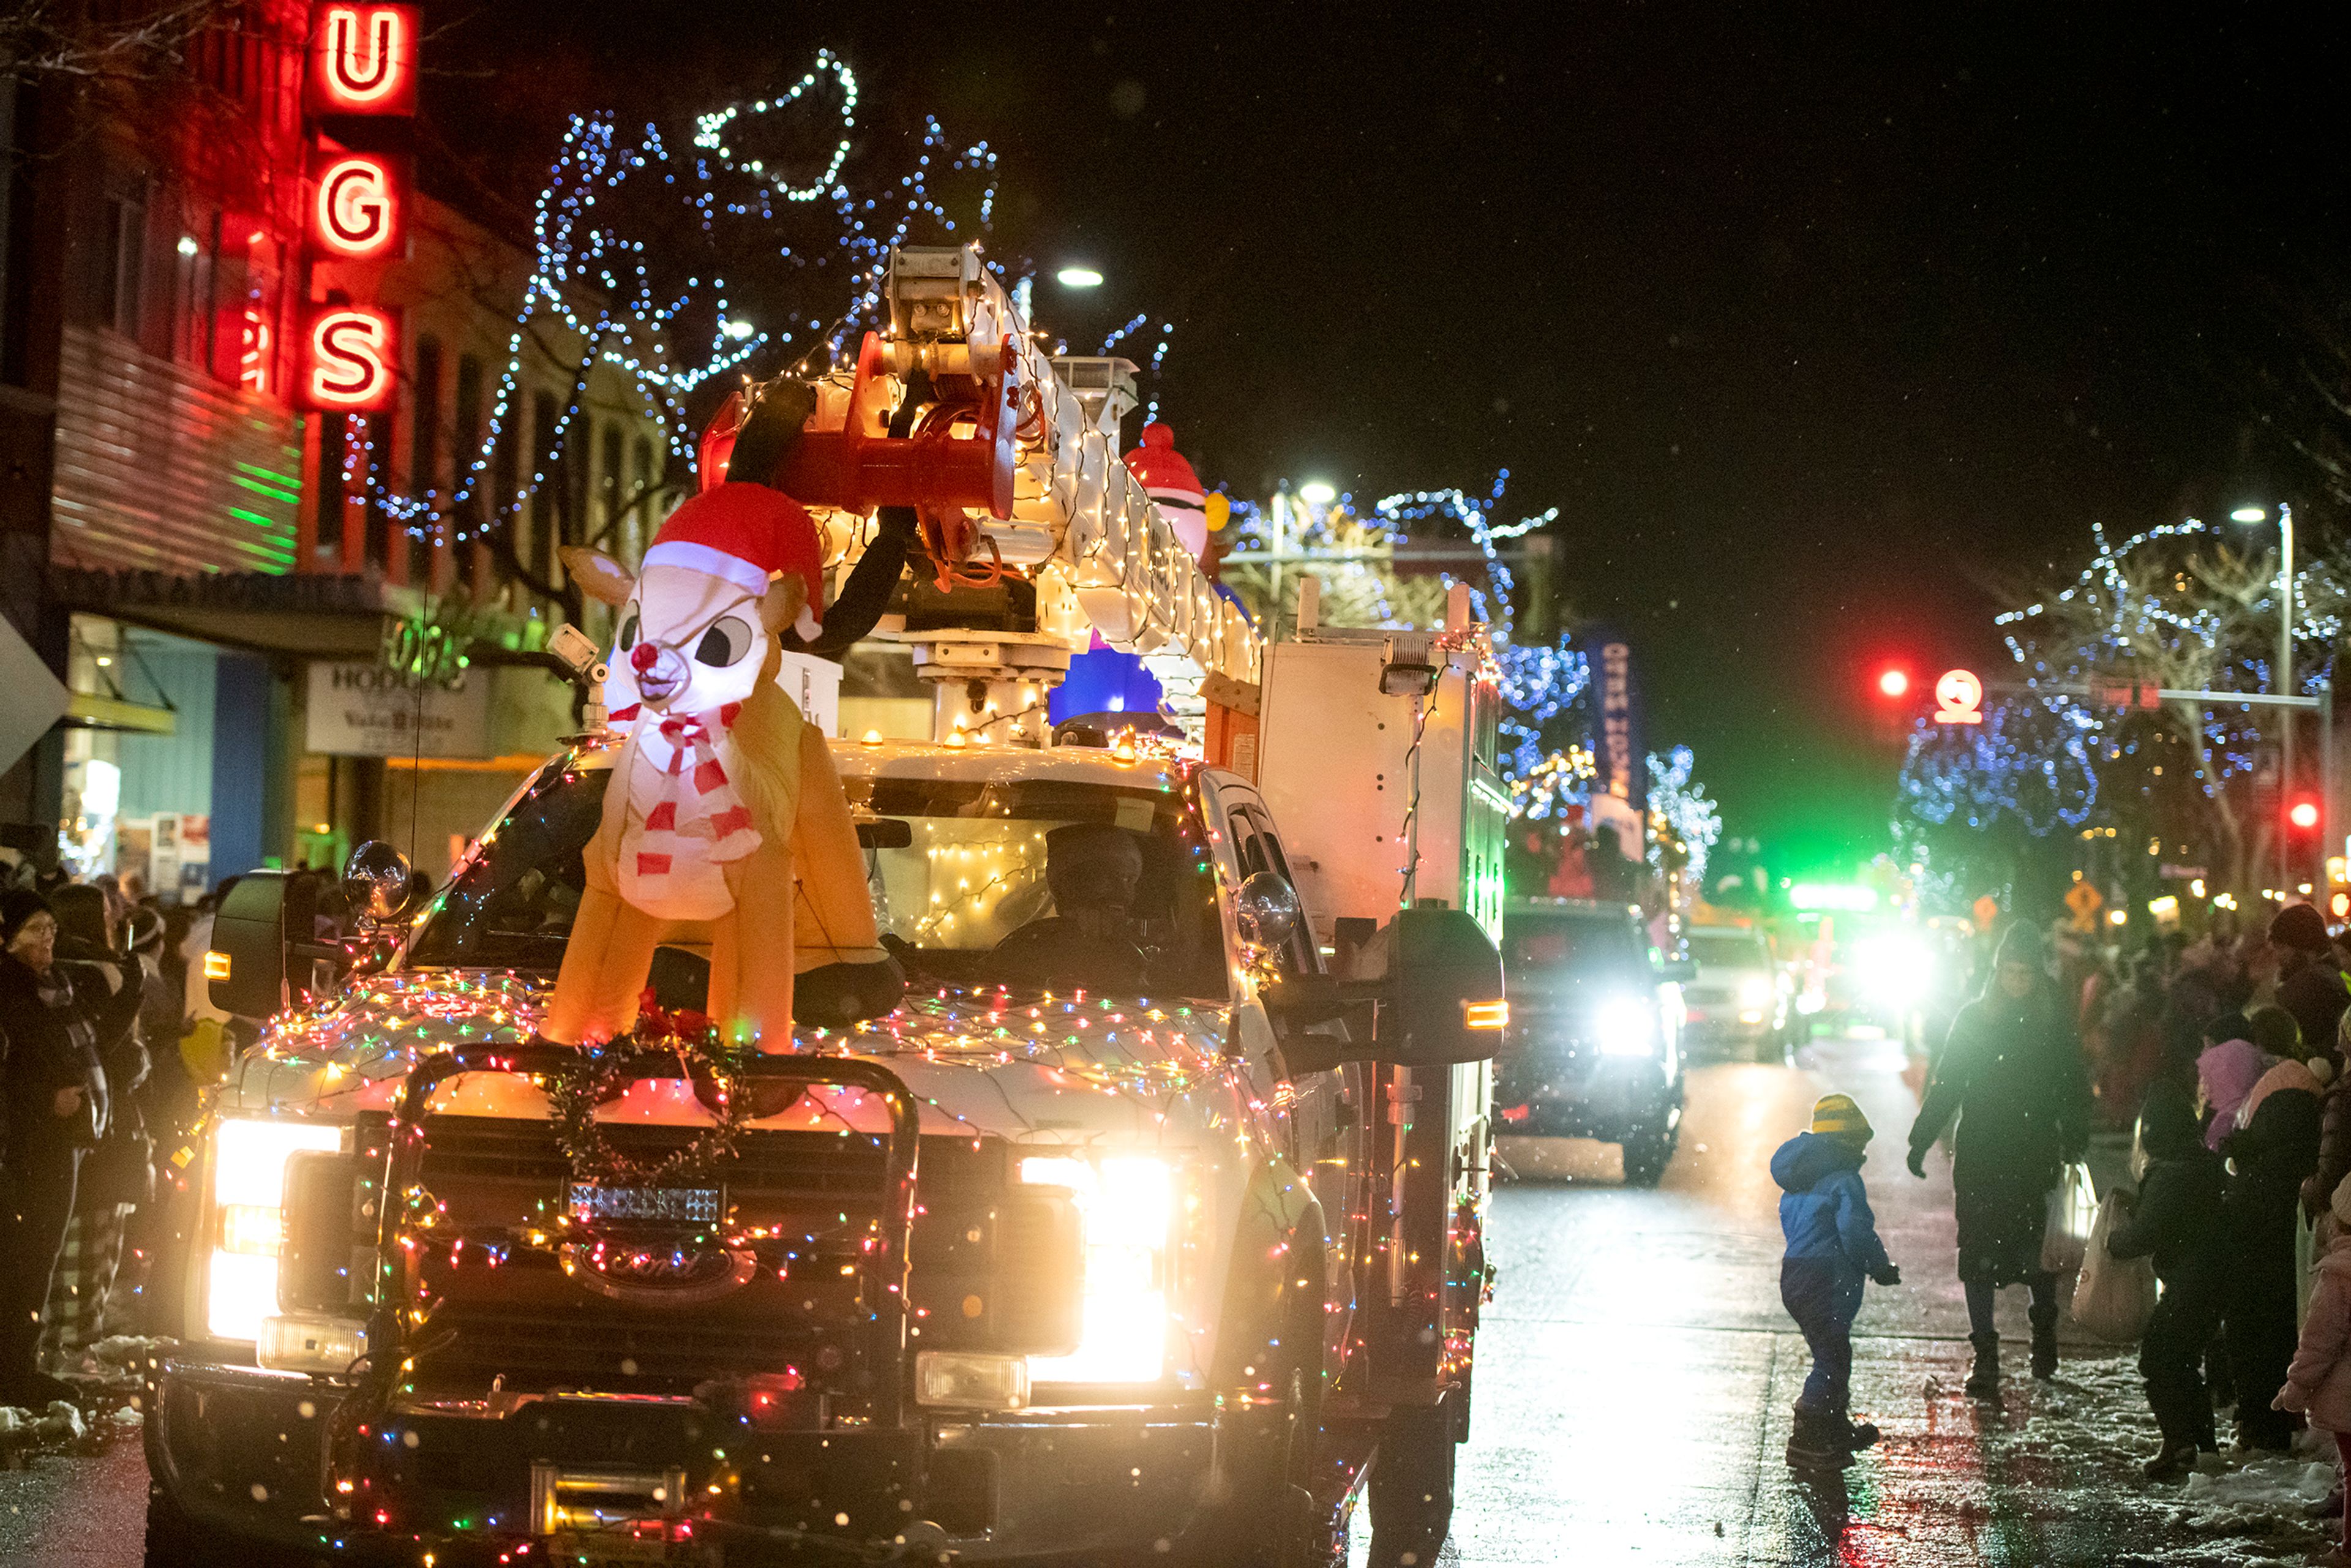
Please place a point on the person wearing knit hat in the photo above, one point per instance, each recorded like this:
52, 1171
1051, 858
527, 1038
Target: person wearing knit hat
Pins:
2011, 1076
54, 1110
1836, 1116
2274, 1146
1833, 1248
2310, 983
2174, 1219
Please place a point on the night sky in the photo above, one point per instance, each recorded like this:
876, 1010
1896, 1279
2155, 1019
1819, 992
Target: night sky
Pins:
1815, 329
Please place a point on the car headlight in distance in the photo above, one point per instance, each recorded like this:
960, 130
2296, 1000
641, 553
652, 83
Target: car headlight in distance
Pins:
1128, 1205
1624, 1026
249, 1217
1755, 991
1898, 970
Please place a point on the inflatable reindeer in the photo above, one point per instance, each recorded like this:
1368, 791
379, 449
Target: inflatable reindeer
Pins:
724, 822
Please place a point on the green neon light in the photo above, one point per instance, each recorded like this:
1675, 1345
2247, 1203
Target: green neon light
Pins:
1842, 897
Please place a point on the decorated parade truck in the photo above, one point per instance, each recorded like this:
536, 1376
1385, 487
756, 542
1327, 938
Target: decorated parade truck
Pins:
1013, 1146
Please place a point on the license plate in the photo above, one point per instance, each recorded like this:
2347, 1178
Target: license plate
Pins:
596, 1548
675, 1205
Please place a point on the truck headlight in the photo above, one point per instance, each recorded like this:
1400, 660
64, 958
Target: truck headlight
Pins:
248, 1228
1128, 1205
1755, 991
1622, 1026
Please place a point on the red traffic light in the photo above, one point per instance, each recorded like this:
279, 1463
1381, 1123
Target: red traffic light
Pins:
2304, 814
1894, 682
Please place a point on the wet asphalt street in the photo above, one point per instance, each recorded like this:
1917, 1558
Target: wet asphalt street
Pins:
1635, 1371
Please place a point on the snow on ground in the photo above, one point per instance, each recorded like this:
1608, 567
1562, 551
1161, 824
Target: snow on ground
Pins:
2233, 1509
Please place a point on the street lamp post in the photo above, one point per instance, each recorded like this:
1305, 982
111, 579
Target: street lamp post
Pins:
2283, 684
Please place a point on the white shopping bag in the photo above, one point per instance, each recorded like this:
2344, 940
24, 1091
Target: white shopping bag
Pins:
2113, 1298
2073, 1210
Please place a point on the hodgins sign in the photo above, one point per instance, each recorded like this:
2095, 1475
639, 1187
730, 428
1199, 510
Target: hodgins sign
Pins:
361, 92
359, 709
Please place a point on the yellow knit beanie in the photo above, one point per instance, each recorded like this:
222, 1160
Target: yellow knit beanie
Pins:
1837, 1116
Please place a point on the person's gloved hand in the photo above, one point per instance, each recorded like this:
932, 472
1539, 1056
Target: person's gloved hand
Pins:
1889, 1275
2292, 1399
1918, 1164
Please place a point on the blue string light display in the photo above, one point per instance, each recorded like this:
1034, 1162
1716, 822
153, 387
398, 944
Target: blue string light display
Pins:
2147, 610
1546, 732
1690, 814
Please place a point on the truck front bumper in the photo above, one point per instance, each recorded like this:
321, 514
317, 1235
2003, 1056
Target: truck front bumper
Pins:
247, 1452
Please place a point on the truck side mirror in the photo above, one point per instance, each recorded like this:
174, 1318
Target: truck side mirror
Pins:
378, 881
1442, 1000
245, 970
1265, 909
1428, 993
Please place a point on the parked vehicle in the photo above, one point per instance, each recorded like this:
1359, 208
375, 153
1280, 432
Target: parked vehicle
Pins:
1741, 1002
1594, 1046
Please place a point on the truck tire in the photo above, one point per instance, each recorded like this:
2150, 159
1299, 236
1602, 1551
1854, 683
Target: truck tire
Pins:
1412, 1486
1647, 1154
176, 1541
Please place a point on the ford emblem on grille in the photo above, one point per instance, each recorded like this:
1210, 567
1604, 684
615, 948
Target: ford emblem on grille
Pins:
657, 1273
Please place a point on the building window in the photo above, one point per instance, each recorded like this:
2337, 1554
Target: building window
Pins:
547, 497
121, 264
376, 432
334, 438
467, 435
505, 478
425, 423
611, 496
194, 250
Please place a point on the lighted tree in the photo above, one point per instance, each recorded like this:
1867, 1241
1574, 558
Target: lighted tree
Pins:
1686, 824
2176, 608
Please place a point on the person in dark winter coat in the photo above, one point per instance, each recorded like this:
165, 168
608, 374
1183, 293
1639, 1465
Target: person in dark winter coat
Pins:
2310, 980
2272, 1154
2175, 1218
117, 1175
1832, 1247
56, 1110
2334, 1140
2012, 1074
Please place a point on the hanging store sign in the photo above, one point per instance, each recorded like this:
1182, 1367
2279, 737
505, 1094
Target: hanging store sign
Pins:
360, 211
362, 63
1624, 770
362, 709
364, 59
350, 357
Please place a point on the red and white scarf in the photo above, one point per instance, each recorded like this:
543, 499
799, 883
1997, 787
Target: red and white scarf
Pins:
693, 737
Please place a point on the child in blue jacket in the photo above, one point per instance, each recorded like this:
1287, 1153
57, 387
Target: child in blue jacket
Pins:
1833, 1245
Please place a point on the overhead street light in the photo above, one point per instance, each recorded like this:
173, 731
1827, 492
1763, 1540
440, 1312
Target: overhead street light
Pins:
1315, 493
1078, 278
2281, 676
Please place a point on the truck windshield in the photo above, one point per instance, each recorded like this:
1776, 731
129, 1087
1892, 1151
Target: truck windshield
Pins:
1046, 883
1720, 949
1570, 949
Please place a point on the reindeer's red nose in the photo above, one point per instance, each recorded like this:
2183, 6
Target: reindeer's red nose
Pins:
643, 657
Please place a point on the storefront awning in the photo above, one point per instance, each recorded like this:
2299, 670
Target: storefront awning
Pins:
315, 615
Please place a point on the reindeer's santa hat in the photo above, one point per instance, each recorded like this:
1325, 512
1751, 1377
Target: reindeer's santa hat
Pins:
748, 535
1168, 479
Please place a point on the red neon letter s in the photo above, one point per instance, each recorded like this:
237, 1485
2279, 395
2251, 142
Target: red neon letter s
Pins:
350, 354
